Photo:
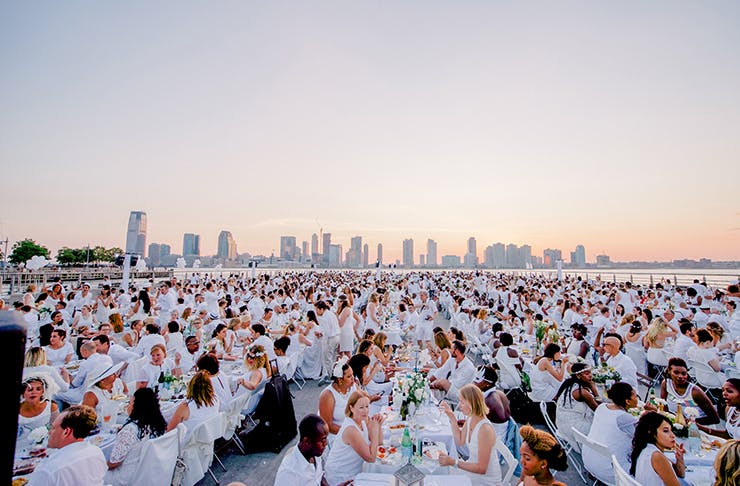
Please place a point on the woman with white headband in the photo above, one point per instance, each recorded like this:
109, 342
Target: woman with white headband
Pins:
576, 401
333, 400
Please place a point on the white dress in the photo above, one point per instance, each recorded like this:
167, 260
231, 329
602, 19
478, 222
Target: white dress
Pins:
493, 472
311, 366
340, 404
27, 424
644, 472
198, 415
572, 413
544, 385
55, 357
733, 423
343, 463
347, 334
636, 352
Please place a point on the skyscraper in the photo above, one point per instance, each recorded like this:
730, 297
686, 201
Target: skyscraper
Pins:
525, 256
190, 245
499, 255
550, 257
164, 250
380, 253
315, 253
355, 252
471, 257
226, 246
306, 255
408, 253
365, 255
136, 233
153, 254
288, 248
326, 247
512, 256
578, 257
431, 253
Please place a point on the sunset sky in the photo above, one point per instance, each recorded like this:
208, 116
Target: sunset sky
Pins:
615, 125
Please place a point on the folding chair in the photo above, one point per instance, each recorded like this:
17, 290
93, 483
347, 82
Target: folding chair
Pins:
567, 447
600, 449
622, 477
510, 460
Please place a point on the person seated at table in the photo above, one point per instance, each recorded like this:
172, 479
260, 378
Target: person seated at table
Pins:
454, 374
614, 427
578, 346
540, 452
131, 337
218, 344
442, 349
727, 464
676, 388
731, 396
209, 362
333, 399
35, 362
455, 334
59, 351
496, 401
260, 339
258, 370
102, 384
284, 366
149, 339
360, 365
650, 466
704, 352
547, 374
76, 460
189, 356
509, 363
144, 422
576, 401
357, 441
174, 338
158, 367
720, 339
302, 465
477, 434
613, 356
36, 408
658, 331
200, 404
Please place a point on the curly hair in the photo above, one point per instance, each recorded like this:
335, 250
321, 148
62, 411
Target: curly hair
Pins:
545, 446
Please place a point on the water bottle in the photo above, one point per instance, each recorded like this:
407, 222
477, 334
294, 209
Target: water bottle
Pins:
407, 446
694, 441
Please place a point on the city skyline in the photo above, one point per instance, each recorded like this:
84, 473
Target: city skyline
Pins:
546, 126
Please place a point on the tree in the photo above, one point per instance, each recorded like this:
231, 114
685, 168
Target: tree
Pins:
24, 250
71, 256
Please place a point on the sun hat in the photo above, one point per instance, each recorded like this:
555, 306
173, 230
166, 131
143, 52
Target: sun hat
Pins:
101, 372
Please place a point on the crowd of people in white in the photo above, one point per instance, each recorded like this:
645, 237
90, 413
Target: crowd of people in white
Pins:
342, 327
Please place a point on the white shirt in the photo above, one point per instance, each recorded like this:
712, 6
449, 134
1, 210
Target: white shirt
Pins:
626, 368
295, 470
72, 465
144, 348
329, 324
460, 374
682, 345
266, 343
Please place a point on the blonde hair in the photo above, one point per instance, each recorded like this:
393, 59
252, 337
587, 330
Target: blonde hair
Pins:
628, 319
351, 402
442, 341
234, 322
656, 327
257, 353
116, 321
472, 394
380, 339
186, 313
727, 464
159, 347
373, 298
200, 390
35, 356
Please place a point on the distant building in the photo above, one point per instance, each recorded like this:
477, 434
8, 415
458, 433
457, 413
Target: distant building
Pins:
499, 255
421, 260
470, 260
525, 256
315, 253
408, 253
326, 247
365, 255
190, 245
288, 249
136, 233
488, 257
513, 256
154, 255
450, 261
355, 252
164, 250
431, 253
472, 246
550, 257
226, 246
335, 255
578, 257
306, 257
380, 253
603, 261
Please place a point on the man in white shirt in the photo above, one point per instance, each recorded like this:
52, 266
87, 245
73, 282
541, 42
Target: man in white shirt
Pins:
166, 303
454, 374
258, 333
622, 363
189, 357
92, 361
116, 352
151, 338
685, 340
601, 321
76, 461
329, 325
302, 466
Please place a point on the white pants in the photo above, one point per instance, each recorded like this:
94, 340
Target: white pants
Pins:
330, 351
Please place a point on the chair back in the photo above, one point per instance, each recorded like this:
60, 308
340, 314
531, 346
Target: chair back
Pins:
198, 450
622, 477
509, 458
133, 370
597, 447
254, 399
233, 415
157, 463
705, 374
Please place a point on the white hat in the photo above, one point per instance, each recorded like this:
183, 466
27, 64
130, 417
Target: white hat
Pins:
100, 372
50, 386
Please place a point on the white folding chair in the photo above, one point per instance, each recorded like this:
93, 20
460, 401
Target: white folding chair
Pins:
599, 449
233, 420
567, 447
705, 374
510, 460
157, 461
622, 477
251, 405
198, 450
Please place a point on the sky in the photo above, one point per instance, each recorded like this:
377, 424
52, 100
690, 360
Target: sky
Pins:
609, 124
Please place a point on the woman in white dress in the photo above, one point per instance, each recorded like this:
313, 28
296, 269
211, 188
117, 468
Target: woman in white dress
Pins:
634, 348
200, 404
36, 409
357, 441
85, 318
576, 401
731, 395
311, 365
59, 351
373, 318
547, 374
482, 466
157, 368
333, 399
650, 466
258, 370
347, 323
614, 427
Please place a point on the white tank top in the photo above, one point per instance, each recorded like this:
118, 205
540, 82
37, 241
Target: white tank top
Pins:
340, 403
644, 472
733, 423
343, 462
493, 472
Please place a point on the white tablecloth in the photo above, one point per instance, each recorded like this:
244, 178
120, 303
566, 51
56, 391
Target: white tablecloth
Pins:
373, 479
434, 427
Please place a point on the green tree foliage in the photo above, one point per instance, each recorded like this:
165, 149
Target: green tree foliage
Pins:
80, 256
24, 250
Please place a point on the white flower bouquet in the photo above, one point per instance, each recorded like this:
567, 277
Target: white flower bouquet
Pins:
38, 435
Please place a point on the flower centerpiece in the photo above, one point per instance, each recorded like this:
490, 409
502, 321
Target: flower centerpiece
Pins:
540, 329
409, 389
605, 374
